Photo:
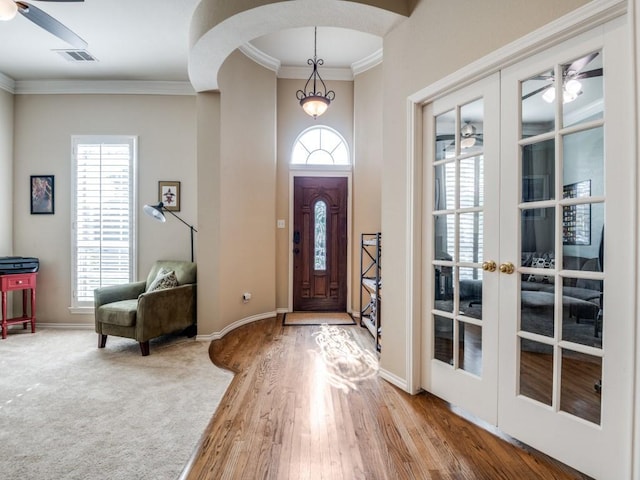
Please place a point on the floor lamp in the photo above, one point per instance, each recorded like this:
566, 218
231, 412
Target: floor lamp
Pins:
157, 212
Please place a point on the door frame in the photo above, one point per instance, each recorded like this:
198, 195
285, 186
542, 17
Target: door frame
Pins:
585, 18
318, 172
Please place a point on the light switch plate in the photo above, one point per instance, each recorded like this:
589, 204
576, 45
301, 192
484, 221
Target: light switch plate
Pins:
280, 223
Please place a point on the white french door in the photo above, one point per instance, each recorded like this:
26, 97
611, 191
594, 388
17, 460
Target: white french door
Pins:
462, 168
567, 207
529, 240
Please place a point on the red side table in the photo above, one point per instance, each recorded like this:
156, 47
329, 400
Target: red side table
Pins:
24, 282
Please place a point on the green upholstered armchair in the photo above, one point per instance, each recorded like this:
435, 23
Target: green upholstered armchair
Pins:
129, 310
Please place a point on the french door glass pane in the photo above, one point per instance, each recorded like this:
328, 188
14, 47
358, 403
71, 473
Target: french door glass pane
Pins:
472, 182
583, 96
583, 161
579, 392
470, 348
582, 310
443, 338
536, 371
538, 113
538, 171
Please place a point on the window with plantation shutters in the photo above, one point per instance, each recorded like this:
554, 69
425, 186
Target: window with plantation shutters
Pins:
103, 214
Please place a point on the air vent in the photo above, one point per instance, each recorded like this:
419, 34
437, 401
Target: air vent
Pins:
77, 55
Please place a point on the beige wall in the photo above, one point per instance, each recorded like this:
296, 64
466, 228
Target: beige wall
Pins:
237, 244
423, 49
368, 163
291, 122
44, 124
6, 173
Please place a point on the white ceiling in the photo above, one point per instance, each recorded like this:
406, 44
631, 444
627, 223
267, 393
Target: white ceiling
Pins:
142, 40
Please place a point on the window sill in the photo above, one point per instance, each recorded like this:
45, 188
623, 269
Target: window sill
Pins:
81, 310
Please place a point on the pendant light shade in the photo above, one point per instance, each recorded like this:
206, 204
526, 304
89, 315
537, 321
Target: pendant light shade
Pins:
8, 9
315, 101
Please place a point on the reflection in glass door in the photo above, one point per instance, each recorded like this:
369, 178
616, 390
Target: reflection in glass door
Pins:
562, 228
560, 358
463, 278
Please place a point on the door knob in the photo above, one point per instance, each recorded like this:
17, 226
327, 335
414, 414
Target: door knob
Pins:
296, 250
507, 268
489, 266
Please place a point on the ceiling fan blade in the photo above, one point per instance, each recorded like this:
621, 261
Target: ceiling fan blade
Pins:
580, 63
596, 72
50, 24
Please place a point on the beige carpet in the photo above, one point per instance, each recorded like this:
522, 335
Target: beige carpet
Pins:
317, 318
69, 410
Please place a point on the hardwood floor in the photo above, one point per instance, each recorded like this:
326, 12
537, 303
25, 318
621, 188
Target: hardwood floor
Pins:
306, 403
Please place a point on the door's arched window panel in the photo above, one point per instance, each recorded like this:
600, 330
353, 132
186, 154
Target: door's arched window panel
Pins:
320, 145
320, 235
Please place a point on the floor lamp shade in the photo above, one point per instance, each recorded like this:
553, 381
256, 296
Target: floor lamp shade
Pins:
157, 212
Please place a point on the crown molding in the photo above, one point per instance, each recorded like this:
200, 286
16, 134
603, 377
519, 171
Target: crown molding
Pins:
115, 87
261, 58
366, 63
7, 83
327, 73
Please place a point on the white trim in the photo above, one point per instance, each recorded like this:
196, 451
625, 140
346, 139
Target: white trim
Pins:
393, 379
66, 326
413, 246
366, 63
234, 325
634, 15
327, 73
261, 58
7, 83
81, 310
124, 87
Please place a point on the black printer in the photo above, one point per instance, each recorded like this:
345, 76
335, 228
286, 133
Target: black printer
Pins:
10, 265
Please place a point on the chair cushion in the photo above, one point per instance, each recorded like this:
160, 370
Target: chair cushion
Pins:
121, 313
164, 279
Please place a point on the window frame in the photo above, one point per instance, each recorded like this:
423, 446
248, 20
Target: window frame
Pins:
83, 307
321, 166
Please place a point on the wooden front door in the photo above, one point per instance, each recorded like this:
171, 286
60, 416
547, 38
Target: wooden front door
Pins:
320, 243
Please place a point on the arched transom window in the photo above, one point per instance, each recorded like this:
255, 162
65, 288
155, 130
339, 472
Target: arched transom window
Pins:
320, 145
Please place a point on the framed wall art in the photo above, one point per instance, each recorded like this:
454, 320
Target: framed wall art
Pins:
42, 195
169, 195
576, 219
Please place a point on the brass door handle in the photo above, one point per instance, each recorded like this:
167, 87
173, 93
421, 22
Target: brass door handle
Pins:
507, 268
489, 266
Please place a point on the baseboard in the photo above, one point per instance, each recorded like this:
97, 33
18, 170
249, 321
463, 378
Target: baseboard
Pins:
66, 326
394, 380
236, 324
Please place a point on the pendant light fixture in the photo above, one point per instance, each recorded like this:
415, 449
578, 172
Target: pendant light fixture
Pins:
8, 9
315, 102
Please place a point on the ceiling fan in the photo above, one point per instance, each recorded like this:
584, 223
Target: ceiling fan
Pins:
469, 137
571, 76
9, 9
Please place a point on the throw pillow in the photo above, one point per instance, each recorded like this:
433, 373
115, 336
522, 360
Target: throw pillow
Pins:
164, 279
542, 263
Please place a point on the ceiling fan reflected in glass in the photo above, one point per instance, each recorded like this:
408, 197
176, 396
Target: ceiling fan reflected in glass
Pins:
572, 87
469, 137
10, 8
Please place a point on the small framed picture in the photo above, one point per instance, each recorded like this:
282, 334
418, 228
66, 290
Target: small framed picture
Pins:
42, 195
169, 195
